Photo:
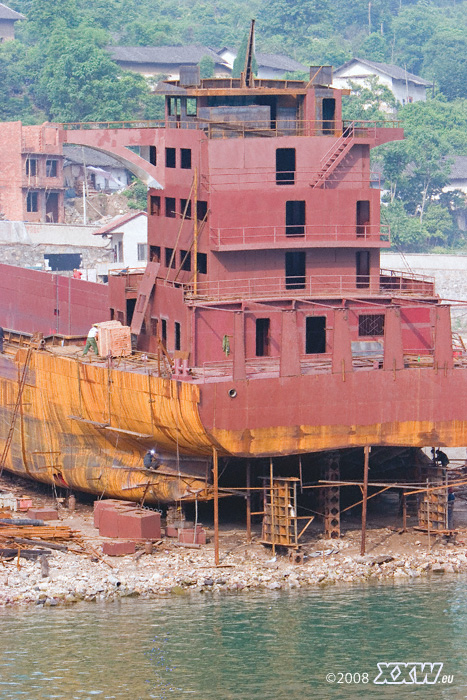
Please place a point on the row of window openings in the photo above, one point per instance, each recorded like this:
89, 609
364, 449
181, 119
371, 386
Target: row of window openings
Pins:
295, 217
51, 167
163, 336
369, 325
171, 212
170, 261
171, 157
155, 328
295, 269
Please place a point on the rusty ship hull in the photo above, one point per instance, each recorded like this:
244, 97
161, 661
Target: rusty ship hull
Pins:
87, 426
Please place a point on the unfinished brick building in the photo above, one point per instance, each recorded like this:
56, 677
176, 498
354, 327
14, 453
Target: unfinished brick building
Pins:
31, 173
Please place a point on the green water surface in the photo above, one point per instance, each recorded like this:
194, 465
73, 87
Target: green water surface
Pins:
255, 646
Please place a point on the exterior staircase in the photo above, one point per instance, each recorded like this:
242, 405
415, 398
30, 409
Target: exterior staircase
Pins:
334, 156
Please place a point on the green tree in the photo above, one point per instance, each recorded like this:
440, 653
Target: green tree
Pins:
439, 225
434, 130
446, 60
206, 67
239, 63
412, 29
80, 82
370, 101
407, 232
374, 48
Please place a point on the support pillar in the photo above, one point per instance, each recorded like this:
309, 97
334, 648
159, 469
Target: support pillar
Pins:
215, 472
341, 346
332, 525
239, 369
393, 351
290, 352
366, 465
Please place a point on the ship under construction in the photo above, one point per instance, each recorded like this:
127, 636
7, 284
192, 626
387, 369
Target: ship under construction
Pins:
265, 331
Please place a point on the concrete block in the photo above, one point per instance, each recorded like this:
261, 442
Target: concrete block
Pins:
99, 506
23, 503
140, 524
108, 521
43, 514
171, 531
118, 549
189, 536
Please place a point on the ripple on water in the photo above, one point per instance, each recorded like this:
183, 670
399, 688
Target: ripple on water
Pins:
260, 646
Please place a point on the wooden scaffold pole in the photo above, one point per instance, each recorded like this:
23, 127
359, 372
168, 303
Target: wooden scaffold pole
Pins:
248, 501
366, 450
215, 471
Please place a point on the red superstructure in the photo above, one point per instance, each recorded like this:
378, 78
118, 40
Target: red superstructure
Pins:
271, 297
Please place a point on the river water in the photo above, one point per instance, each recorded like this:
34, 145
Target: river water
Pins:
255, 646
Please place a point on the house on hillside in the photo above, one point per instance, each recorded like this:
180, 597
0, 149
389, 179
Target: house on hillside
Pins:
167, 60
270, 65
31, 174
129, 241
102, 172
8, 17
405, 86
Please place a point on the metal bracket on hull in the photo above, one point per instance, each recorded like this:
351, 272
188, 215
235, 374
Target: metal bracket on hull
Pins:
106, 426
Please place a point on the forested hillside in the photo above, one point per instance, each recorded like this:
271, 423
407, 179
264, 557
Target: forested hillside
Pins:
58, 69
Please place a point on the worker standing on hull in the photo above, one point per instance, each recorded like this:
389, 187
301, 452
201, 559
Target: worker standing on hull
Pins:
91, 340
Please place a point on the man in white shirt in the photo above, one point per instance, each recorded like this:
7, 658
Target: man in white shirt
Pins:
91, 340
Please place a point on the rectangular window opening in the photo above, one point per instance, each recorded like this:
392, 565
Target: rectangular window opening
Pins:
370, 324
201, 210
32, 202
185, 158
295, 269
262, 337
152, 155
154, 323
285, 166
164, 331
363, 269
315, 335
363, 218
191, 107
185, 260
51, 168
295, 218
170, 157
142, 251
178, 335
31, 167
155, 205
169, 257
155, 253
203, 263
185, 203
170, 210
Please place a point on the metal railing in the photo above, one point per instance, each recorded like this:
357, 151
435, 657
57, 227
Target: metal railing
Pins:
270, 235
226, 178
315, 286
223, 129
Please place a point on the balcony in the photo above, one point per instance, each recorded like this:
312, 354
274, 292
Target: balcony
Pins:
310, 236
387, 284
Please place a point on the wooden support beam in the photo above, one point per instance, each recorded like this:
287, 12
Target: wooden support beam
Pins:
248, 501
365, 497
215, 470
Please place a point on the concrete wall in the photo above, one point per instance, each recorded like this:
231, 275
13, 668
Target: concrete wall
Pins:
27, 244
449, 271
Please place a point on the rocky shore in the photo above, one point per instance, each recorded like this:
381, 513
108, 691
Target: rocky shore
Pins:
175, 571
84, 573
